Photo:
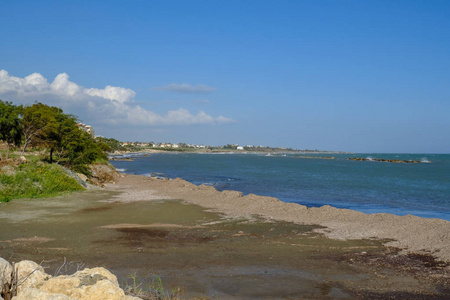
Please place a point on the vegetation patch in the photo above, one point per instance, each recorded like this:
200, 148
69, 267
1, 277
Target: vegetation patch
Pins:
35, 180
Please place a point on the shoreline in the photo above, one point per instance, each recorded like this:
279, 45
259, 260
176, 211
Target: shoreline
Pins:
409, 233
222, 244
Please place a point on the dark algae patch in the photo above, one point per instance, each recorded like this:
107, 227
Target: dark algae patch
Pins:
95, 209
208, 254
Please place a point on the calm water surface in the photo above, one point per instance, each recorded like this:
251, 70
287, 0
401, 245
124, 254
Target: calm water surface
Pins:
372, 187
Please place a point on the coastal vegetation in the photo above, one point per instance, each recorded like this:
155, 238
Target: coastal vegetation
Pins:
51, 143
34, 180
9, 125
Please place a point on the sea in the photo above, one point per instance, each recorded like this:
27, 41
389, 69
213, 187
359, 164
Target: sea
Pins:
313, 179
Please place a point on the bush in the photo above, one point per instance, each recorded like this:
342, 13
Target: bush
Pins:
35, 180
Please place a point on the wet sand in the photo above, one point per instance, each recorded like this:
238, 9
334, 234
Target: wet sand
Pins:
223, 245
409, 233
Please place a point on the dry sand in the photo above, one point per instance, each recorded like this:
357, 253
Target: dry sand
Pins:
410, 233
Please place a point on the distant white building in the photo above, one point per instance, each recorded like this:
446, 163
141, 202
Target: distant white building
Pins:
87, 128
240, 148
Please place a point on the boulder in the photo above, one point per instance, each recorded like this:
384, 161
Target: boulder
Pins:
35, 294
97, 271
103, 289
5, 272
30, 275
132, 298
88, 284
61, 285
83, 177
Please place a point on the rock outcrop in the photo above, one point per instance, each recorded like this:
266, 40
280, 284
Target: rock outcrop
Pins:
5, 272
30, 275
88, 284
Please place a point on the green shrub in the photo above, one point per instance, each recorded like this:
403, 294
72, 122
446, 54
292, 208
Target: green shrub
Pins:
35, 180
4, 199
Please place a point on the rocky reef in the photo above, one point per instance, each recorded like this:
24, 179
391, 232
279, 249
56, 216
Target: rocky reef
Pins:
385, 160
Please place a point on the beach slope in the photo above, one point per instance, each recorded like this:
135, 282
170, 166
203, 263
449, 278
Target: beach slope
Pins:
409, 233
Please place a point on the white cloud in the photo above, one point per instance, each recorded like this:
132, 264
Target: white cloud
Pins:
36, 85
112, 93
111, 105
186, 88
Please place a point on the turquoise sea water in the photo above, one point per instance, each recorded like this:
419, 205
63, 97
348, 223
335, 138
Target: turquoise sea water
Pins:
421, 189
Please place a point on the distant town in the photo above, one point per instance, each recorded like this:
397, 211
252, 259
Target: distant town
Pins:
142, 146
128, 146
120, 146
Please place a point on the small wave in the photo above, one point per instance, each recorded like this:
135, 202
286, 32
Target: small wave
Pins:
425, 160
120, 169
157, 175
369, 158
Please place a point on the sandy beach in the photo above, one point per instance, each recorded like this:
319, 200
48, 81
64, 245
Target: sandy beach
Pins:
409, 233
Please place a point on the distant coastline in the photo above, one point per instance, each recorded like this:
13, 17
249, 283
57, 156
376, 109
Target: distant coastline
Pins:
231, 151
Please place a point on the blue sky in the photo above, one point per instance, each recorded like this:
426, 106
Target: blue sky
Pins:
361, 76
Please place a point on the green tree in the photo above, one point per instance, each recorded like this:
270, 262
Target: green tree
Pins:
73, 147
109, 144
9, 125
58, 139
38, 121
79, 149
58, 132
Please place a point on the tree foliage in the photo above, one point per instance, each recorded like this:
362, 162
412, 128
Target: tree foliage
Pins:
109, 144
10, 125
67, 143
37, 123
50, 128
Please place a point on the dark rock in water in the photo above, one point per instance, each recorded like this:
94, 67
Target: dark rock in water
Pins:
385, 160
125, 159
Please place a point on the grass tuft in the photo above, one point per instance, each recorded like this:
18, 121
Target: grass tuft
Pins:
150, 288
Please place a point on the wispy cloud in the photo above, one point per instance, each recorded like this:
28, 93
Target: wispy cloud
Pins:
184, 88
110, 105
202, 101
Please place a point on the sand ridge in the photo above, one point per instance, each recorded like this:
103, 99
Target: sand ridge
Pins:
411, 233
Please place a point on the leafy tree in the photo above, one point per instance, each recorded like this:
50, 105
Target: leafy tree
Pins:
57, 140
79, 150
9, 125
38, 121
109, 144
58, 132
73, 147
